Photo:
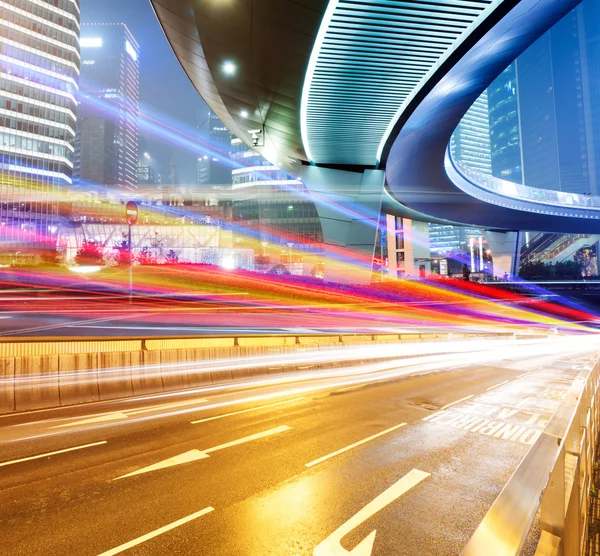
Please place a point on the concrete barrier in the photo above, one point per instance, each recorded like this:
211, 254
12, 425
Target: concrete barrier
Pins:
30, 392
117, 384
146, 379
31, 348
173, 369
7, 385
78, 378
81, 372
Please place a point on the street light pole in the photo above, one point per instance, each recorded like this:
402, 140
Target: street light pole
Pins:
290, 245
131, 212
130, 268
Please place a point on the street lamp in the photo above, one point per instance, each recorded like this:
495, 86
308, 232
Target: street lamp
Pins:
131, 212
290, 245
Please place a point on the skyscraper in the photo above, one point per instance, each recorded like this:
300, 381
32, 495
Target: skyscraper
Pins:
470, 146
552, 110
107, 132
470, 143
505, 137
214, 169
39, 76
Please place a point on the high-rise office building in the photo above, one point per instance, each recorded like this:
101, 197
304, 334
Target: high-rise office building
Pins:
39, 76
552, 110
544, 108
214, 168
470, 146
272, 203
470, 143
107, 131
505, 136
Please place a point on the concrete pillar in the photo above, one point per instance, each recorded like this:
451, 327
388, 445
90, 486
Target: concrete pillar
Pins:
348, 205
505, 247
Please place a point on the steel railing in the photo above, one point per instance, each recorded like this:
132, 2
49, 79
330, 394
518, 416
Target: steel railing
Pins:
553, 482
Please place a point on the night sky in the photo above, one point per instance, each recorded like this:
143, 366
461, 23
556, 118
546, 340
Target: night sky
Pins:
166, 93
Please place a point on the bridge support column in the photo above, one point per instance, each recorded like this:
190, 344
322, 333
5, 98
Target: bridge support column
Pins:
348, 205
505, 247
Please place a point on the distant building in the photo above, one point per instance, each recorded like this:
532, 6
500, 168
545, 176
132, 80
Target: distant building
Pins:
251, 169
554, 137
39, 77
107, 131
505, 136
214, 169
470, 143
275, 208
147, 175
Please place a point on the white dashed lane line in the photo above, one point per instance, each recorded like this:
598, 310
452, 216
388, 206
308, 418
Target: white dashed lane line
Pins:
48, 454
157, 532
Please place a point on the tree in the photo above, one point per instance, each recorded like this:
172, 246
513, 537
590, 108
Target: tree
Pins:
122, 249
91, 253
145, 256
586, 257
172, 257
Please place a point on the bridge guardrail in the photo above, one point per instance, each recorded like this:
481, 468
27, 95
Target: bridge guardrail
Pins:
553, 482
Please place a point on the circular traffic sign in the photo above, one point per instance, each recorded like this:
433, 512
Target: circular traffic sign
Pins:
131, 210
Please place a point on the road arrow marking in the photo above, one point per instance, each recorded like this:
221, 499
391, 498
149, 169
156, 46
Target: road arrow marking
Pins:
99, 419
164, 406
128, 413
256, 436
187, 457
331, 546
156, 533
195, 455
246, 410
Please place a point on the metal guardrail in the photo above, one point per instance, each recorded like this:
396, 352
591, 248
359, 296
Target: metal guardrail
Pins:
553, 481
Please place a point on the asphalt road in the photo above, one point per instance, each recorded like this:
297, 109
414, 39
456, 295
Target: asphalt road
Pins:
308, 467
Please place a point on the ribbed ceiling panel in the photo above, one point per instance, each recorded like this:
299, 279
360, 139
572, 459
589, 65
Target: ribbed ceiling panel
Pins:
374, 54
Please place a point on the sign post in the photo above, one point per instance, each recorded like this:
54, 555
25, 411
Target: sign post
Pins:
131, 212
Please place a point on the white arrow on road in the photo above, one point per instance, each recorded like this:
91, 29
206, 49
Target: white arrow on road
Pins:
194, 455
116, 415
331, 546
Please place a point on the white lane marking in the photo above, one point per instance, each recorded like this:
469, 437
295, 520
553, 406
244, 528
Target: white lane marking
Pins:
454, 403
99, 419
194, 455
363, 441
156, 533
331, 545
52, 453
187, 457
524, 374
246, 410
432, 415
496, 386
256, 436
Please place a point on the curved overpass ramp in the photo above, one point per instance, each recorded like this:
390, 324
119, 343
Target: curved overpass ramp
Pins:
354, 85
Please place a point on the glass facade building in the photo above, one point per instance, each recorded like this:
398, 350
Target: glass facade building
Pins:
273, 206
214, 169
107, 145
505, 135
552, 110
39, 78
470, 143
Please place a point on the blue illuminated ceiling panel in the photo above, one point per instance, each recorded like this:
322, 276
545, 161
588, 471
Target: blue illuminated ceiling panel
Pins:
370, 58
